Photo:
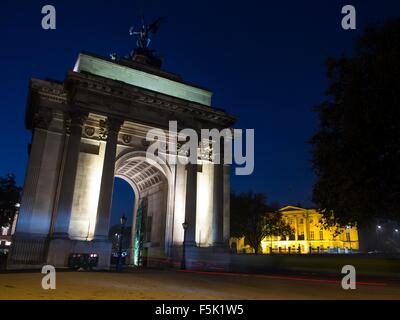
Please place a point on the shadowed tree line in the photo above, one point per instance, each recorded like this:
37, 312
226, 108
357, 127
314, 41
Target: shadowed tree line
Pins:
10, 195
356, 150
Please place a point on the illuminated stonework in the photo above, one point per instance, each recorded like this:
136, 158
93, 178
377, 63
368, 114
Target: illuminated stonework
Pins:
309, 236
92, 128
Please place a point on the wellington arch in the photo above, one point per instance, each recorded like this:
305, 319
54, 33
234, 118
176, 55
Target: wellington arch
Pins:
91, 128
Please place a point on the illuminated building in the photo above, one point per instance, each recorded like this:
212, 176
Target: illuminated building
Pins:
309, 236
94, 127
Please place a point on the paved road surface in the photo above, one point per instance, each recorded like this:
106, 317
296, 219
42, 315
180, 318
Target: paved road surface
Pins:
160, 284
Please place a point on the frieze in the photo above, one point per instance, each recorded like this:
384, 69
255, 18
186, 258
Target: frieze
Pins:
203, 112
42, 120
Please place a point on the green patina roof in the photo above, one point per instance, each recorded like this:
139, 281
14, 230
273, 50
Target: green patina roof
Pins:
111, 70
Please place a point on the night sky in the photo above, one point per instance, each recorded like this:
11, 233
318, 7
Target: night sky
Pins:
264, 61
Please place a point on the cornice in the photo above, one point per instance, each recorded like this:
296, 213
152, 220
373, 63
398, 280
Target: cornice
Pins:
135, 95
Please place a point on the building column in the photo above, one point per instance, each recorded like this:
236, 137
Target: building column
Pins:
306, 231
68, 177
190, 203
218, 198
227, 205
107, 181
31, 180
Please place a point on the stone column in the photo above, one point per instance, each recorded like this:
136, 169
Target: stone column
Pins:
69, 175
31, 181
227, 205
107, 181
307, 232
218, 198
305, 220
190, 203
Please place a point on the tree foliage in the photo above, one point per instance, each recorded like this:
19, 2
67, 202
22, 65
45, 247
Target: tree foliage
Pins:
356, 150
9, 197
254, 219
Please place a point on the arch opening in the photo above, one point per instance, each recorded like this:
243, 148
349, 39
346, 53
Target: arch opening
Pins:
150, 183
122, 204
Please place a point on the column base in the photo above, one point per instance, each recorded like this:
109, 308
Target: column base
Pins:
60, 235
190, 244
205, 258
220, 247
100, 238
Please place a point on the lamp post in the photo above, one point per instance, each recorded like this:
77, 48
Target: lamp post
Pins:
349, 237
183, 262
119, 263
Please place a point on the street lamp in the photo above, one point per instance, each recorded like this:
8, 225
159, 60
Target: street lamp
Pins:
378, 240
122, 221
183, 261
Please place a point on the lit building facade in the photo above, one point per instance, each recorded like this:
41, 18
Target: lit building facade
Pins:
309, 236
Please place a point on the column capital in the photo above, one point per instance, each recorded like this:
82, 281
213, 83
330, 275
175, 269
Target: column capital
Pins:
42, 118
111, 125
78, 117
114, 124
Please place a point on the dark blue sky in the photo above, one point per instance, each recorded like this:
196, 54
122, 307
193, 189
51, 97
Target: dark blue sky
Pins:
264, 61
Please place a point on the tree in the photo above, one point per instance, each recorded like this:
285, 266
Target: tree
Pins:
356, 150
9, 197
274, 226
254, 219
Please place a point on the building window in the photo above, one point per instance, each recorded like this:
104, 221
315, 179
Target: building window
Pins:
348, 236
311, 220
300, 236
312, 235
321, 235
301, 221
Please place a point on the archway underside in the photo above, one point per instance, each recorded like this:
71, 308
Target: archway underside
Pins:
150, 184
143, 174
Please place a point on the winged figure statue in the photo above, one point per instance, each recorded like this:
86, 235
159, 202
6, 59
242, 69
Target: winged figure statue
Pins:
144, 33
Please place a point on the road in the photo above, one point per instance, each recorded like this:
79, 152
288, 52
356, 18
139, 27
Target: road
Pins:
178, 285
